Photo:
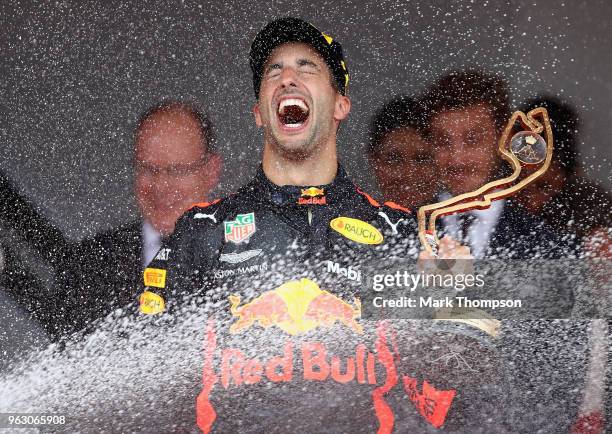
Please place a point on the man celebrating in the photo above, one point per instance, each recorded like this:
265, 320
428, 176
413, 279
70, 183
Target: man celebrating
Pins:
301, 101
283, 260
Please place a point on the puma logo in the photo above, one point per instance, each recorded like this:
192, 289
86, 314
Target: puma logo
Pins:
386, 218
201, 215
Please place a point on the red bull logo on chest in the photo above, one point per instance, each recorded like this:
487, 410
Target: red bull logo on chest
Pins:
312, 192
312, 196
239, 230
375, 369
295, 307
318, 365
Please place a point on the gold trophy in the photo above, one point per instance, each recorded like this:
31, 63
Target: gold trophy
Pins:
529, 155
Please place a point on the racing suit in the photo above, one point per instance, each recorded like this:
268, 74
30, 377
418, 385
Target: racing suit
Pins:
286, 347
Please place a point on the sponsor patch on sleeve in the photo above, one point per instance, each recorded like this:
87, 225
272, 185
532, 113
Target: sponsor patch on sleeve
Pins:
163, 254
151, 303
155, 277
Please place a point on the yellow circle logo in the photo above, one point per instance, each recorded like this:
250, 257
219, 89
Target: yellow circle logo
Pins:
151, 303
356, 230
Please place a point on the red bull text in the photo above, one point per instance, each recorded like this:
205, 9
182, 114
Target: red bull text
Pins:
297, 307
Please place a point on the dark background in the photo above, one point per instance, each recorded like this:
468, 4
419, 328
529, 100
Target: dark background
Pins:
75, 76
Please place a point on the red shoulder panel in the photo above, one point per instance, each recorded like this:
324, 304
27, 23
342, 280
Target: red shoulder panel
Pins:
394, 205
370, 199
204, 204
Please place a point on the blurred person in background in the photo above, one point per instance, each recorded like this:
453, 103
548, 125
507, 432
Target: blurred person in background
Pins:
565, 198
401, 158
175, 166
467, 112
570, 202
33, 256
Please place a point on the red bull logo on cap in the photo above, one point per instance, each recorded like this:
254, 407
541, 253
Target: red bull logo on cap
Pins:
295, 307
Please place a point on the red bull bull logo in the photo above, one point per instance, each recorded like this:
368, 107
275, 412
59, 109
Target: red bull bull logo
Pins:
312, 196
295, 307
312, 192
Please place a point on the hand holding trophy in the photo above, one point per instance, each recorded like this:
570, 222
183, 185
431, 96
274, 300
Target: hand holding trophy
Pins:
528, 153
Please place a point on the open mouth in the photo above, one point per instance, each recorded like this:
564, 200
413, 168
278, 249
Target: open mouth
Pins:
293, 112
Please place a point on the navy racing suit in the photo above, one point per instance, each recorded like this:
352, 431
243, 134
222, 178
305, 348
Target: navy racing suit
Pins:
286, 347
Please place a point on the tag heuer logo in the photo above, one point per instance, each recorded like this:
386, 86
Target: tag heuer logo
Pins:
241, 229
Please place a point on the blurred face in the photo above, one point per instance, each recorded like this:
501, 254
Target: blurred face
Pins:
465, 145
172, 171
405, 168
298, 107
544, 188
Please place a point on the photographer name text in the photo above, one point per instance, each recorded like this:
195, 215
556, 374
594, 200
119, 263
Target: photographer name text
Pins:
445, 302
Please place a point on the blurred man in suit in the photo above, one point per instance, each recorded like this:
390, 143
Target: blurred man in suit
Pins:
467, 113
175, 166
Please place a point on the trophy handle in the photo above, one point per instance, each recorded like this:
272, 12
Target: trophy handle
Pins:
534, 123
